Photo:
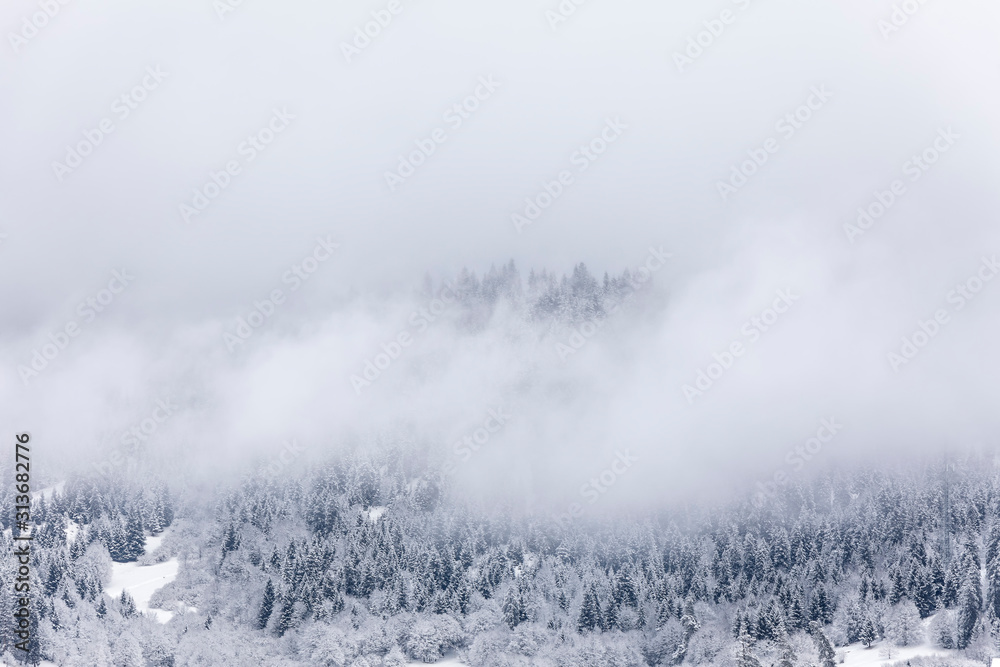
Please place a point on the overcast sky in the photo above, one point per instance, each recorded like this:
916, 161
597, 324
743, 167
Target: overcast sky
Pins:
199, 79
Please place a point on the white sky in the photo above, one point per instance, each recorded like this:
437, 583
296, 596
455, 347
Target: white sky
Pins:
656, 185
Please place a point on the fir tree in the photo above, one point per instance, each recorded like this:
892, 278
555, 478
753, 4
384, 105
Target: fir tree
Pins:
744, 652
867, 636
968, 610
127, 605
823, 645
284, 623
513, 608
590, 612
266, 606
787, 655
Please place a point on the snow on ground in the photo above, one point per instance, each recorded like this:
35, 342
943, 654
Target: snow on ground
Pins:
153, 543
856, 655
141, 581
375, 513
447, 662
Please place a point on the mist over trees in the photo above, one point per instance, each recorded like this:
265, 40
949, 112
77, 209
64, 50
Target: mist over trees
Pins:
541, 296
372, 556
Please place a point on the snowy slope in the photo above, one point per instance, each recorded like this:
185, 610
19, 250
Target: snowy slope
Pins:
447, 662
856, 655
141, 581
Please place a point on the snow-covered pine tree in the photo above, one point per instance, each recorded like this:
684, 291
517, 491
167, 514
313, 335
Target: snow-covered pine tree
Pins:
266, 606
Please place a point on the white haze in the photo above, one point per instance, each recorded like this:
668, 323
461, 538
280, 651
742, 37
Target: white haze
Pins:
826, 357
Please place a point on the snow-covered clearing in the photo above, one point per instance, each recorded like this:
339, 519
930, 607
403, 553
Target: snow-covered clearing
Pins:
141, 581
856, 655
447, 662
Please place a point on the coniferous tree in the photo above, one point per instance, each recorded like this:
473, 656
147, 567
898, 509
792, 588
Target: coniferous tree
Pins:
744, 652
787, 655
127, 605
590, 612
513, 608
867, 635
993, 586
266, 606
823, 645
284, 623
968, 610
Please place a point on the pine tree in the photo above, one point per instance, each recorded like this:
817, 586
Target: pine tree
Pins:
744, 653
53, 579
590, 612
823, 645
897, 590
287, 612
266, 606
796, 616
127, 605
787, 655
134, 541
513, 608
867, 636
463, 596
820, 609
993, 587
925, 598
968, 610
690, 625
230, 541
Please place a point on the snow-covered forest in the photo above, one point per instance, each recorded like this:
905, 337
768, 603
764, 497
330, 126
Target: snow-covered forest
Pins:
369, 559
